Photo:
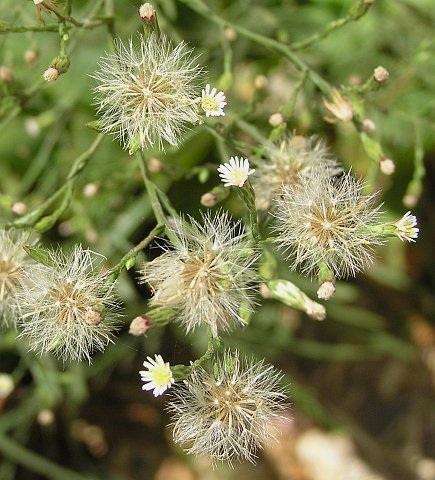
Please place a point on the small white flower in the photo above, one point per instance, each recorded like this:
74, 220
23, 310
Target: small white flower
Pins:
406, 227
213, 102
158, 376
235, 172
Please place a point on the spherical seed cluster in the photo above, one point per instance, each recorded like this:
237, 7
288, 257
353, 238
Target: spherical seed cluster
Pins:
13, 261
227, 414
67, 308
147, 94
328, 221
289, 161
207, 276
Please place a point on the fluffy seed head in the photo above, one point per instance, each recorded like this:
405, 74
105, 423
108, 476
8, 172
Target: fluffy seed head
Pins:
207, 276
227, 413
329, 221
146, 94
67, 307
13, 262
288, 162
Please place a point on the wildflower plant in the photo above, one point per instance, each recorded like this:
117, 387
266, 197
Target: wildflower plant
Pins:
67, 307
251, 140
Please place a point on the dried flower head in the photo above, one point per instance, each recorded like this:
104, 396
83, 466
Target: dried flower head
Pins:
227, 413
340, 107
289, 161
67, 307
13, 261
235, 172
327, 221
158, 376
207, 277
213, 102
146, 94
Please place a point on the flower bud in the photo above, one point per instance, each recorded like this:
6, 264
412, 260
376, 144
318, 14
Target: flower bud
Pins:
276, 119
147, 12
209, 199
19, 208
380, 74
154, 165
369, 125
326, 290
387, 166
261, 82
30, 56
140, 325
6, 74
45, 417
90, 190
6, 385
51, 74
230, 34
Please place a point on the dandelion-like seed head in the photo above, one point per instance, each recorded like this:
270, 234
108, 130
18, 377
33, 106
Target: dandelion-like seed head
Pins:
158, 376
146, 94
289, 162
13, 262
207, 275
227, 413
213, 102
328, 221
235, 172
67, 307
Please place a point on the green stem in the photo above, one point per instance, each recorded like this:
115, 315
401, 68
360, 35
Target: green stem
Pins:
357, 10
116, 270
34, 462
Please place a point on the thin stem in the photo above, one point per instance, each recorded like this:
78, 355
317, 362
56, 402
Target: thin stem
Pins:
357, 10
116, 270
34, 462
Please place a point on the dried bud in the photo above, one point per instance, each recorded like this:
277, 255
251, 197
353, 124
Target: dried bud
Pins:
154, 165
381, 74
30, 56
45, 417
326, 290
147, 12
369, 125
230, 34
340, 107
6, 385
51, 74
6, 74
209, 199
261, 82
19, 208
140, 325
276, 119
38, 2
387, 166
90, 190
410, 200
